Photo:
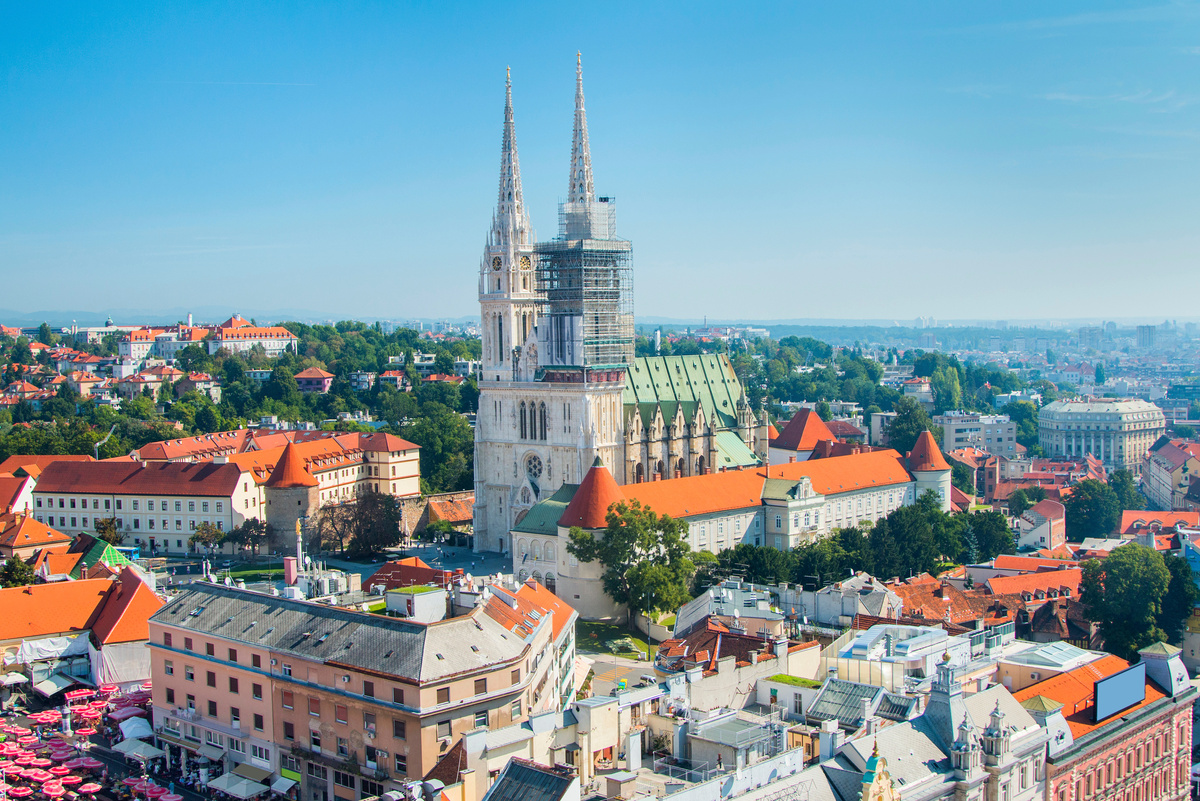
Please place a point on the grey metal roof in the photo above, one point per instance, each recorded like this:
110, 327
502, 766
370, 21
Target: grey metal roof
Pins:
846, 783
912, 751
843, 700
896, 707
523, 781
322, 633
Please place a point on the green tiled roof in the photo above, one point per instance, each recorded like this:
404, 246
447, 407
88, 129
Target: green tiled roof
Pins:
707, 379
542, 518
101, 551
732, 452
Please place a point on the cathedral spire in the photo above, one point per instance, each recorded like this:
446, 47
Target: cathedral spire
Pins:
582, 189
512, 222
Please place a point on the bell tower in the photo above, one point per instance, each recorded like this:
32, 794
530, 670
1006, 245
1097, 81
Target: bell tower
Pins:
507, 295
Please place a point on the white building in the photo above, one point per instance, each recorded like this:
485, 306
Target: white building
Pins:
1118, 432
994, 433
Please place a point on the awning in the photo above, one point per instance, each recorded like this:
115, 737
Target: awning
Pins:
236, 786
282, 785
138, 749
9, 679
55, 684
250, 772
136, 729
212, 752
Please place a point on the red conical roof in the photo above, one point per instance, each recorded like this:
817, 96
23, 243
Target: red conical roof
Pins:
291, 471
589, 507
926, 455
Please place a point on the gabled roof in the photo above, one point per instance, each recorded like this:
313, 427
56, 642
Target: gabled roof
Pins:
452, 510
926, 455
14, 463
1132, 520
525, 780
448, 770
845, 473
1051, 510
41, 610
704, 494
595, 494
291, 471
803, 432
313, 372
132, 478
408, 572
126, 612
10, 489
23, 531
672, 382
1029, 564
1033, 582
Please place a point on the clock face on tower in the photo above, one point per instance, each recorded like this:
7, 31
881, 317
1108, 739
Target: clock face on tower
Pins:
496, 263
525, 262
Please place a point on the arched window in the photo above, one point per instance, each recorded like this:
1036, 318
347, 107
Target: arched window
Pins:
639, 474
524, 574
537, 550
551, 582
700, 466
522, 548
682, 469
543, 415
537, 577
549, 553
659, 468
522, 419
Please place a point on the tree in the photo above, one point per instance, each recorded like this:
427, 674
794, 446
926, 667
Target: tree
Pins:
207, 536
1100, 375
645, 560
992, 534
443, 363
16, 573
1092, 510
947, 391
1182, 596
106, 529
909, 422
1018, 503
376, 523
962, 477
335, 525
45, 335
251, 534
20, 353
823, 411
1128, 497
1124, 597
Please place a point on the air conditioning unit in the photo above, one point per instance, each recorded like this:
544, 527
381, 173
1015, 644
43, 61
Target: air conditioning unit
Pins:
274, 662
345, 679
370, 735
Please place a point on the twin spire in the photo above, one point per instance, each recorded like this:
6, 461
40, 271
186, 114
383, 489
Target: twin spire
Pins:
511, 224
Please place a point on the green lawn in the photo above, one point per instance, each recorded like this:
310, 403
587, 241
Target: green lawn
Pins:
252, 572
795, 681
601, 638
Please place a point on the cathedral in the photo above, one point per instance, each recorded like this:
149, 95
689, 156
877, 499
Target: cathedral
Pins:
560, 386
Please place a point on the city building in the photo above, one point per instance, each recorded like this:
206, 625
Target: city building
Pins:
314, 379
235, 335
349, 702
994, 433
22, 536
1118, 432
1043, 525
559, 385
1167, 472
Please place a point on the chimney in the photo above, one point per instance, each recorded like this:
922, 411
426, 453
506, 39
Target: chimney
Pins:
830, 738
791, 459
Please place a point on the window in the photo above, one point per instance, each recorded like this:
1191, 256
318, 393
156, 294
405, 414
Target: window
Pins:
289, 731
219, 505
258, 752
401, 764
370, 788
314, 707
178, 506
397, 695
318, 771
339, 714
233, 684
170, 696
481, 719
169, 667
288, 699
287, 669
188, 673
191, 702
237, 745
515, 710
398, 729
203, 506
191, 506
232, 654
135, 506
187, 643
256, 660
369, 689
343, 779
369, 723
480, 686
212, 709
210, 678
235, 716
256, 692
314, 739
443, 695
118, 504
443, 728
258, 722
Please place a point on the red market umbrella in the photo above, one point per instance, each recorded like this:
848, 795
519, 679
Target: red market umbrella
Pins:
144, 786
11, 768
59, 770
148, 686
131, 781
107, 689
171, 797
4, 788
53, 790
25, 759
27, 739
92, 787
154, 791
71, 780
86, 731
127, 713
74, 694
20, 792
21, 730
41, 762
74, 764
91, 763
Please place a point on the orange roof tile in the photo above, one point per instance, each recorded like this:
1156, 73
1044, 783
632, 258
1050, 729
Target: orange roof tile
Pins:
291, 471
803, 432
313, 372
926, 455
596, 493
14, 463
126, 612
1028, 563
56, 608
1133, 519
452, 511
846, 473
1074, 690
693, 495
23, 531
1032, 582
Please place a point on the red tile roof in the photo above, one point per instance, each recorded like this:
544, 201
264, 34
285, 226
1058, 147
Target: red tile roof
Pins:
845, 473
1027, 563
10, 490
926, 455
131, 478
1051, 510
409, 572
291, 471
596, 493
706, 645
693, 495
126, 612
1075, 688
1032, 582
23, 531
520, 612
451, 510
313, 372
803, 432
1133, 520
60, 607
14, 463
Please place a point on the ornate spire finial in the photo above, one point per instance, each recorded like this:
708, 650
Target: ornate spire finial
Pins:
511, 220
581, 189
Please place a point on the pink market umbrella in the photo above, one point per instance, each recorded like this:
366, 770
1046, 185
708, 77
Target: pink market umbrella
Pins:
27, 739
86, 731
25, 759
148, 686
75, 694
39, 775
107, 689
127, 713
70, 780
131, 781
171, 797
154, 791
59, 770
91, 787
74, 764
41, 762
20, 792
91, 763
21, 730
144, 786
11, 769
53, 790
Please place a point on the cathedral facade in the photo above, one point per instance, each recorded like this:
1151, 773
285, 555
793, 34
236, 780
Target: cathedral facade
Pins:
559, 385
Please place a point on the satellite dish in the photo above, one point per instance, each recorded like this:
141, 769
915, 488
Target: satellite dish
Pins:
307, 561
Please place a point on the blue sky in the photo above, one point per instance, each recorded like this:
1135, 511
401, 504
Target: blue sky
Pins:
876, 160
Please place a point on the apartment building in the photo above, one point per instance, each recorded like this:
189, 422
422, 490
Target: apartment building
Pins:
158, 505
994, 433
345, 703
